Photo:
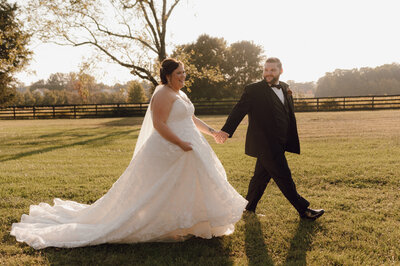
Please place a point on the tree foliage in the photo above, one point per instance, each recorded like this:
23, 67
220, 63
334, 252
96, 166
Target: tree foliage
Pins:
244, 65
225, 69
131, 33
14, 54
136, 93
83, 83
382, 80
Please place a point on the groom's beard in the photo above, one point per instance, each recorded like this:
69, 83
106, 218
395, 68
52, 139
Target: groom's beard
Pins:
274, 80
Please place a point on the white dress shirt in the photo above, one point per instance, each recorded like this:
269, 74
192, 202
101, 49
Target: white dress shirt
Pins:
279, 93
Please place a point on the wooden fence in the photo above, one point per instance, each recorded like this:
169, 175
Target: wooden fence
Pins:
202, 107
347, 103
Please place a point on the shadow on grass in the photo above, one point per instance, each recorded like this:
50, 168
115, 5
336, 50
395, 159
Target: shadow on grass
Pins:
256, 250
61, 133
301, 243
123, 122
49, 149
195, 251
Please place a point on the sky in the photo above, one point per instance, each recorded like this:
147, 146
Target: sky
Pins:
311, 37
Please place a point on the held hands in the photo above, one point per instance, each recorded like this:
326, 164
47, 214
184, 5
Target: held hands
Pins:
220, 137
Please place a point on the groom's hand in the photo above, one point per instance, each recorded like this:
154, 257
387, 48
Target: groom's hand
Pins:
220, 137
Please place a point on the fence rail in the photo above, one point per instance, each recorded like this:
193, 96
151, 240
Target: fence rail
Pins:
202, 107
347, 103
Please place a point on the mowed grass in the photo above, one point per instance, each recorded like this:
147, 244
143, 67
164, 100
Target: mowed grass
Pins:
349, 166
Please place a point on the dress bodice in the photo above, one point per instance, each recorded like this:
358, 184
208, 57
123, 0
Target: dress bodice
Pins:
181, 112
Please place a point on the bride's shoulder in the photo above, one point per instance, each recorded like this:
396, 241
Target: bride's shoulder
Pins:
161, 91
162, 94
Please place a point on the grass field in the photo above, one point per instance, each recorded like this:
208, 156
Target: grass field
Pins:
349, 166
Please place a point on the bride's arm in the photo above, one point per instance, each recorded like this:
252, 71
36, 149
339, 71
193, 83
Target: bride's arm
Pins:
161, 107
203, 127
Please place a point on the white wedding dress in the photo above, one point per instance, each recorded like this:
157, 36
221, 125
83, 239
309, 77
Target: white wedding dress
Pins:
165, 194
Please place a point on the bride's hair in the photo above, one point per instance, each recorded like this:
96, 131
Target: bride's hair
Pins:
167, 67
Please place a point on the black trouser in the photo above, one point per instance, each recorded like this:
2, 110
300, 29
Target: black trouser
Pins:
277, 169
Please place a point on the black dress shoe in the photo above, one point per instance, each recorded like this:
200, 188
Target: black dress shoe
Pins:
312, 214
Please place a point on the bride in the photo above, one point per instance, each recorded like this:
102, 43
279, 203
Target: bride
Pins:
174, 187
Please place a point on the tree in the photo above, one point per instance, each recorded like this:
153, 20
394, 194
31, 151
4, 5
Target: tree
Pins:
38, 97
131, 33
49, 97
118, 97
136, 93
225, 69
29, 100
244, 65
40, 84
14, 54
206, 56
19, 98
82, 83
57, 81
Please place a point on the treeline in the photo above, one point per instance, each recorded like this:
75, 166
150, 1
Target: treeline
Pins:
382, 80
79, 88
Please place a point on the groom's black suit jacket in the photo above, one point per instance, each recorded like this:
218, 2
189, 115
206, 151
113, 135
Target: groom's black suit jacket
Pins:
263, 137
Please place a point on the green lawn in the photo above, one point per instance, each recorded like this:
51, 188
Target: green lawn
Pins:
349, 166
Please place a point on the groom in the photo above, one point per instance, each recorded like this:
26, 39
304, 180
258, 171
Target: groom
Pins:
272, 130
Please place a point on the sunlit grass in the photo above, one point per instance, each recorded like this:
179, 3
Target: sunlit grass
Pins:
349, 166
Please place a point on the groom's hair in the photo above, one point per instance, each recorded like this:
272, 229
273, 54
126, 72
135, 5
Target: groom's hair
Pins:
274, 60
167, 67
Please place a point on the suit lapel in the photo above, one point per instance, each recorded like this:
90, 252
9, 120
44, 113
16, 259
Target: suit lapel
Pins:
267, 91
288, 99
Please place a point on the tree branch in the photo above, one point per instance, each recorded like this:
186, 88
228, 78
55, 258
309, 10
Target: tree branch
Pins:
136, 70
170, 10
153, 11
154, 33
105, 30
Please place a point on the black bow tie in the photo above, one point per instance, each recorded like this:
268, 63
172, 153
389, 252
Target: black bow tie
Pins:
278, 86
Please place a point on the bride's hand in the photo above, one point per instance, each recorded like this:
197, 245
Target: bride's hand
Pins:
186, 146
220, 137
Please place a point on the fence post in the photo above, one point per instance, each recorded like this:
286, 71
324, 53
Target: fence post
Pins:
54, 111
317, 104
15, 117
372, 102
75, 111
96, 109
34, 113
344, 103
